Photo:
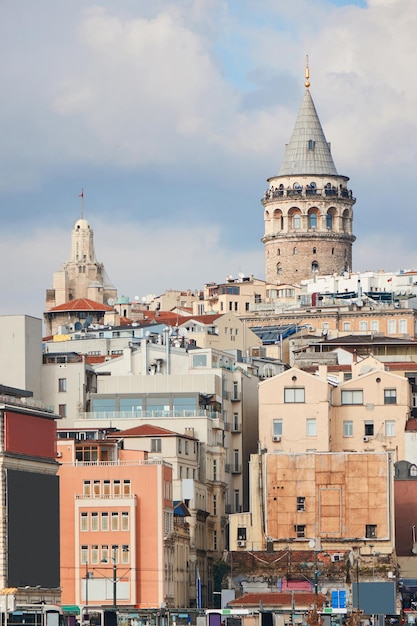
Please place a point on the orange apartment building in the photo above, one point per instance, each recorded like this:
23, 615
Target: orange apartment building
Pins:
116, 513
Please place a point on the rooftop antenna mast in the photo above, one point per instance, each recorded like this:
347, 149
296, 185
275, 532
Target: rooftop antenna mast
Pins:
307, 75
81, 195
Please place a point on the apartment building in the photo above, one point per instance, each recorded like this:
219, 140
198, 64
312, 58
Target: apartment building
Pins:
367, 411
116, 510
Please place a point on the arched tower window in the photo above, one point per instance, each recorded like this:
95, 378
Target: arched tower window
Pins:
295, 251
329, 221
315, 267
312, 220
314, 250
278, 252
279, 269
413, 470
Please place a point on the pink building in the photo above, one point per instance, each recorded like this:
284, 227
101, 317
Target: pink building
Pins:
116, 511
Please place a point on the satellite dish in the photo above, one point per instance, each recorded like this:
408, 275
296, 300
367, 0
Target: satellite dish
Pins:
110, 301
183, 332
414, 548
311, 543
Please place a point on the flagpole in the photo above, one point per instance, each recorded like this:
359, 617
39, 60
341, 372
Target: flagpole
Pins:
81, 195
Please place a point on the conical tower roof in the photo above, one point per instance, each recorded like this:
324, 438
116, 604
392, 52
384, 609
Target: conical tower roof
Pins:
308, 151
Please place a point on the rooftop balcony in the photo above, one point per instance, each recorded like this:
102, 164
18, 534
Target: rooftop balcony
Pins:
127, 415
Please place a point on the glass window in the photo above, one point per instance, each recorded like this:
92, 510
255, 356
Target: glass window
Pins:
84, 522
390, 428
296, 220
105, 521
392, 327
103, 405
126, 487
87, 488
130, 405
277, 428
186, 446
94, 554
347, 428
241, 533
300, 530
301, 503
346, 326
363, 326
413, 470
156, 445
62, 410
115, 520
94, 521
390, 396
402, 327
125, 520
371, 531
294, 394
199, 360
179, 446
84, 554
328, 220
184, 406
105, 553
158, 406
106, 488
311, 427
62, 384
375, 325
313, 220
125, 554
369, 428
116, 488
352, 396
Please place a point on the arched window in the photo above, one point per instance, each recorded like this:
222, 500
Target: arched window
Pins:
279, 269
329, 221
315, 267
413, 470
312, 218
332, 250
295, 251
296, 220
314, 250
278, 252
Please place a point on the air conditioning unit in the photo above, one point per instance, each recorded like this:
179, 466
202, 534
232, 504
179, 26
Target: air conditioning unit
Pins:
276, 438
366, 439
337, 557
241, 543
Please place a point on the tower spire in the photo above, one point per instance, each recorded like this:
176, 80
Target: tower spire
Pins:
307, 74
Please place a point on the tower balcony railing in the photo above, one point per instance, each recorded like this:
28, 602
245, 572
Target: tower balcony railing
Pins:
308, 191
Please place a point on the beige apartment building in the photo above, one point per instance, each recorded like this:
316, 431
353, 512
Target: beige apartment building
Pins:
367, 412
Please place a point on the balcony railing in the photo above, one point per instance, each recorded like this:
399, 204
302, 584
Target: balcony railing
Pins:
271, 194
112, 415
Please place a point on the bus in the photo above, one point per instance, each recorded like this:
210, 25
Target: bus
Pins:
34, 615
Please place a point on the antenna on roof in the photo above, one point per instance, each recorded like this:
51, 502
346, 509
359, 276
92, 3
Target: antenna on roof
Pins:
307, 81
81, 195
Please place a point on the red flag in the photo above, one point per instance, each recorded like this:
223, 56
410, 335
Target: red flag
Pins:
389, 280
81, 195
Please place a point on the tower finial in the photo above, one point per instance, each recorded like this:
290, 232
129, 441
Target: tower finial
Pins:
307, 81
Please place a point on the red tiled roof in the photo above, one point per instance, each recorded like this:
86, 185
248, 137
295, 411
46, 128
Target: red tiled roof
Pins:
90, 358
411, 424
278, 598
82, 304
145, 430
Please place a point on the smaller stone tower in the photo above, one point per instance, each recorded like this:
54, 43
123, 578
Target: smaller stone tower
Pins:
308, 207
82, 276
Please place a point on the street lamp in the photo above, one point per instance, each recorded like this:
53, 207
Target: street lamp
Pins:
114, 580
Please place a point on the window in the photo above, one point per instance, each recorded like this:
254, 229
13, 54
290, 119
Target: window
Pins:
390, 396
363, 326
375, 325
62, 410
296, 220
311, 427
94, 521
214, 469
214, 505
347, 376
94, 554
116, 488
236, 460
390, 428
295, 251
236, 497
125, 554
369, 428
84, 554
105, 521
371, 531
155, 445
236, 422
294, 394
126, 487
241, 533
313, 220
346, 326
84, 522
62, 384
392, 327
413, 470
277, 428
301, 503
347, 428
104, 554
106, 488
328, 220
352, 396
87, 488
214, 539
125, 520
186, 446
402, 327
179, 446
300, 530
200, 360
96, 487
115, 520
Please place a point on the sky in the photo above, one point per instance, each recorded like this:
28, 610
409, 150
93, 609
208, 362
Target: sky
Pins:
172, 114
